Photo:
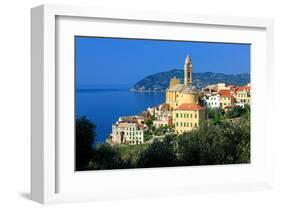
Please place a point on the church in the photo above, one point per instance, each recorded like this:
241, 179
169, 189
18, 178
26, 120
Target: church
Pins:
183, 101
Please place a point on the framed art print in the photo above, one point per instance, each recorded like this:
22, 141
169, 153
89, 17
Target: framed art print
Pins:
148, 104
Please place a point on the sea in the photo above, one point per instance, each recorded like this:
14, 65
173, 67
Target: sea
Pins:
103, 105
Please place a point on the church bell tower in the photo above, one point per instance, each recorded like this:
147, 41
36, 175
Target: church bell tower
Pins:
187, 71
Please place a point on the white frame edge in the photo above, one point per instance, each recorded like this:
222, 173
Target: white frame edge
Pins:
43, 79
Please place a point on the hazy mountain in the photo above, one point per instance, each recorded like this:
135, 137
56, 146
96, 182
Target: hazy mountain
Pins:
160, 81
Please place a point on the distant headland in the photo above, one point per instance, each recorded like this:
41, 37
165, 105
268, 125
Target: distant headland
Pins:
160, 81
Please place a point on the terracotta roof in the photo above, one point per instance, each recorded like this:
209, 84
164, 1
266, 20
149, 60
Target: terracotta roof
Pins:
190, 107
243, 88
225, 93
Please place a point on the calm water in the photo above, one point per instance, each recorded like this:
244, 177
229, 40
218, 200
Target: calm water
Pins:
104, 106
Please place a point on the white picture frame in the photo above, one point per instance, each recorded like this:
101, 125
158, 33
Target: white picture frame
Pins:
51, 177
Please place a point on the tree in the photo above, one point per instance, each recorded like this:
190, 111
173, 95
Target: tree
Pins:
202, 146
158, 154
85, 138
106, 156
219, 140
226, 142
149, 123
215, 113
147, 135
236, 111
189, 149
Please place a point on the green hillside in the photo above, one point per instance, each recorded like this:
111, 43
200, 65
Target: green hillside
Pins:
160, 81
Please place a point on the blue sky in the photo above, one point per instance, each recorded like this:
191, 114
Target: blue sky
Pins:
115, 61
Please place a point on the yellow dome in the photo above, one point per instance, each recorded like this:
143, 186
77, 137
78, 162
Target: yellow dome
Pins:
188, 98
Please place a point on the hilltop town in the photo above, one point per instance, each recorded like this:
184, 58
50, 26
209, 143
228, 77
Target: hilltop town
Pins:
183, 110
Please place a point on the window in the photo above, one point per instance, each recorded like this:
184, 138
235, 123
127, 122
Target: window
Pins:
195, 115
181, 115
190, 124
181, 124
195, 124
177, 124
177, 115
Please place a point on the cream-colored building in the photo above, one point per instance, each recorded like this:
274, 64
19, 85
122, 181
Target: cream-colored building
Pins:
243, 95
127, 132
212, 88
164, 120
158, 110
187, 117
223, 86
226, 99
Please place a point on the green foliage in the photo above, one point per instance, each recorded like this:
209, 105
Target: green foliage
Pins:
217, 115
158, 154
153, 117
147, 135
223, 139
130, 152
237, 111
106, 156
162, 130
214, 113
227, 142
85, 137
149, 123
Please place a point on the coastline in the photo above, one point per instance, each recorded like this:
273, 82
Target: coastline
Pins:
147, 90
